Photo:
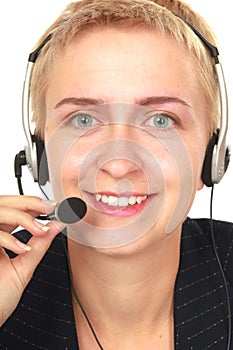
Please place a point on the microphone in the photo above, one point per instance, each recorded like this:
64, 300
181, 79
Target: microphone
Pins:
69, 211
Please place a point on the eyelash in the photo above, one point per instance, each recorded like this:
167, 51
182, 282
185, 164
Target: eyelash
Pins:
74, 117
159, 114
173, 121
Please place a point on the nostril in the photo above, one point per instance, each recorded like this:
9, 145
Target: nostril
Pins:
119, 167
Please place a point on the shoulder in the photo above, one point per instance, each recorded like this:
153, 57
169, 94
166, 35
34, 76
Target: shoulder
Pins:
201, 296
222, 231
202, 234
204, 225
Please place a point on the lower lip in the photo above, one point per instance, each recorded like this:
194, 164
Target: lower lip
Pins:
128, 211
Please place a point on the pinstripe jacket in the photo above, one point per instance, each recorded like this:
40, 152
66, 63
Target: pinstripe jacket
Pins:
44, 318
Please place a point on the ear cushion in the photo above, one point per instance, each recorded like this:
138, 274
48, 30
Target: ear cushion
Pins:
42, 164
227, 158
207, 164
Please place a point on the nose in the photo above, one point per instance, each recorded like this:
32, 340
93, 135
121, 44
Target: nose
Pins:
120, 168
120, 158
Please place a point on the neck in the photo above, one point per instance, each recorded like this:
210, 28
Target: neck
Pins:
127, 293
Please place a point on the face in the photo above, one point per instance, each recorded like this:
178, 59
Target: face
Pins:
125, 131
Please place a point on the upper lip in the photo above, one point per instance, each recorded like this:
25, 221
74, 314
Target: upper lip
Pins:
122, 194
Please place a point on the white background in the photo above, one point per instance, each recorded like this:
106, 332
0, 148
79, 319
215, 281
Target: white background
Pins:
22, 23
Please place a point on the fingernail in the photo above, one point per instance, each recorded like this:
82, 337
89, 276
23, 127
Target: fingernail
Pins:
45, 228
22, 245
49, 203
41, 226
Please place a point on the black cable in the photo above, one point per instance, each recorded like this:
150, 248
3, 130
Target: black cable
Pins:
43, 192
77, 298
221, 269
20, 187
20, 160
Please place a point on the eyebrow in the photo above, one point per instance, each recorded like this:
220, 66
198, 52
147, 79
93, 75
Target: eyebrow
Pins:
79, 101
88, 101
161, 100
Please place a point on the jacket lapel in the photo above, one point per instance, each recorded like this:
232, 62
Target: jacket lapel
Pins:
200, 309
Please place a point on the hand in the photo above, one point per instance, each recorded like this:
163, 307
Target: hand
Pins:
16, 273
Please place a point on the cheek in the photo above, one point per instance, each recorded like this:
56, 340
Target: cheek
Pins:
181, 161
65, 157
174, 158
197, 150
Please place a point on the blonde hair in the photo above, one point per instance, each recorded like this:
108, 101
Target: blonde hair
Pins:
84, 15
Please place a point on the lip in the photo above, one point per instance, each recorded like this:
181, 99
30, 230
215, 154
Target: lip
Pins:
128, 211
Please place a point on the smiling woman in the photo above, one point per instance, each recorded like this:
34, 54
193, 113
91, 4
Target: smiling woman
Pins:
126, 127
46, 13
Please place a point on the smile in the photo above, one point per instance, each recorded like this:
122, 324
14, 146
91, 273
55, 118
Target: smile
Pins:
119, 205
123, 201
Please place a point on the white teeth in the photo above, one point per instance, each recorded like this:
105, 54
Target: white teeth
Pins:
123, 201
112, 200
119, 201
104, 199
132, 200
98, 197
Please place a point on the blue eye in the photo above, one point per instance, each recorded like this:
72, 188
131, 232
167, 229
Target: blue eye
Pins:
83, 120
160, 121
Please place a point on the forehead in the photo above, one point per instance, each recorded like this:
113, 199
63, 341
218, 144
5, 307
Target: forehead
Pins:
119, 63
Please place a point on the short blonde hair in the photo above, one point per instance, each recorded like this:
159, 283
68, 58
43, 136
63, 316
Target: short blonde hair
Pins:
84, 15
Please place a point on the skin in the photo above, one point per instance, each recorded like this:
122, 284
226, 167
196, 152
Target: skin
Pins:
130, 67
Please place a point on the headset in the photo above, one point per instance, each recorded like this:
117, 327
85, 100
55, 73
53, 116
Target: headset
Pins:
217, 155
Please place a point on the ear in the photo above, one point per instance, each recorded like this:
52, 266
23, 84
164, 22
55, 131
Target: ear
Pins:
200, 185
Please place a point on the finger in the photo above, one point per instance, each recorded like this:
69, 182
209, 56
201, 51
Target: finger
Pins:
11, 217
26, 263
9, 242
37, 229
12, 243
31, 204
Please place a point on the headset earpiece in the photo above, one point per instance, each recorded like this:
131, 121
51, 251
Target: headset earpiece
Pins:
214, 166
42, 164
207, 165
34, 156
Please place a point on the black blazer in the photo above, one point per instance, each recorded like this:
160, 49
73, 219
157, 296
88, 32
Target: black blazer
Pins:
44, 317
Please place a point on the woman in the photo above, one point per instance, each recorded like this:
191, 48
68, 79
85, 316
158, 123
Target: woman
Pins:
125, 98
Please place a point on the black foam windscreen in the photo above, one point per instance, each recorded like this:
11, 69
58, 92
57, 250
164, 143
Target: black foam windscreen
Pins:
70, 210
